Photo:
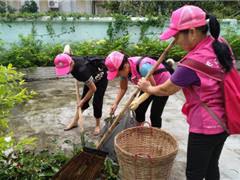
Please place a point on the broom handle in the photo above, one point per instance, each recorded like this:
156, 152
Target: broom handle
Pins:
79, 109
114, 124
67, 49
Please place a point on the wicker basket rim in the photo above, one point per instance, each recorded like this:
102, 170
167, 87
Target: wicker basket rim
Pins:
155, 129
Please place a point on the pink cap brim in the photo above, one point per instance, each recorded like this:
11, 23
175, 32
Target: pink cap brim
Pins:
168, 34
111, 75
62, 71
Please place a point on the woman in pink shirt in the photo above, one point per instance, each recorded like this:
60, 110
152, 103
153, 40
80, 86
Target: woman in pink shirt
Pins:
206, 137
131, 69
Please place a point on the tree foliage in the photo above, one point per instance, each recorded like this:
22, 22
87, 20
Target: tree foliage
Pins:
142, 7
6, 8
29, 7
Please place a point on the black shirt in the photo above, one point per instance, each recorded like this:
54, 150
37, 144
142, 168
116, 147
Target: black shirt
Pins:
85, 72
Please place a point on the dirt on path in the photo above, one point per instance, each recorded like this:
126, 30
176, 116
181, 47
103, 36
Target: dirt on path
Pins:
45, 116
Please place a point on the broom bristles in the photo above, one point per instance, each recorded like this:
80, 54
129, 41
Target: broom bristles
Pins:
93, 168
82, 166
67, 170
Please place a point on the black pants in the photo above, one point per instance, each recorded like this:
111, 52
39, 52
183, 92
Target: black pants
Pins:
158, 104
203, 154
98, 96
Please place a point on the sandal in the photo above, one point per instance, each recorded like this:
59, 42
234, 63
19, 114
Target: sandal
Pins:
69, 128
97, 130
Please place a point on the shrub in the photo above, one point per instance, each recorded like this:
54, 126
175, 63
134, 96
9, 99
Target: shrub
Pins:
30, 53
11, 93
16, 162
234, 40
155, 47
31, 165
100, 47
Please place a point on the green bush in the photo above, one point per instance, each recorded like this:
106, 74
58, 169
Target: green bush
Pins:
100, 47
12, 93
146, 47
155, 47
32, 165
235, 45
30, 52
16, 162
234, 40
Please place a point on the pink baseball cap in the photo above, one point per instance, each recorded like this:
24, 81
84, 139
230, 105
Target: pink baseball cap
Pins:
184, 18
113, 62
62, 63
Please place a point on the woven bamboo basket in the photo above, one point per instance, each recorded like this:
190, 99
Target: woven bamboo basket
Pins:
145, 153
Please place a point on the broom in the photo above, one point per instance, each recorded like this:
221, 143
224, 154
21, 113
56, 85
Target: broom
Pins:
87, 163
79, 110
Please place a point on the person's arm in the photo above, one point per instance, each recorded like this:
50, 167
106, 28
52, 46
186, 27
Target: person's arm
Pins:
144, 70
122, 90
134, 105
91, 91
183, 77
165, 89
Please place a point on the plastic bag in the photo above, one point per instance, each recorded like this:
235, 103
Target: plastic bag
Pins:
128, 120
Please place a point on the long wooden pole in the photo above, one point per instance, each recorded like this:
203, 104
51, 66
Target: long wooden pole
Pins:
79, 109
114, 124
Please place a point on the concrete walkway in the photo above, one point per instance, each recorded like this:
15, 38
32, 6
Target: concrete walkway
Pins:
45, 116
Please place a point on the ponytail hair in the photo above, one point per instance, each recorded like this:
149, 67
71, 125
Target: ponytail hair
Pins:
222, 50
